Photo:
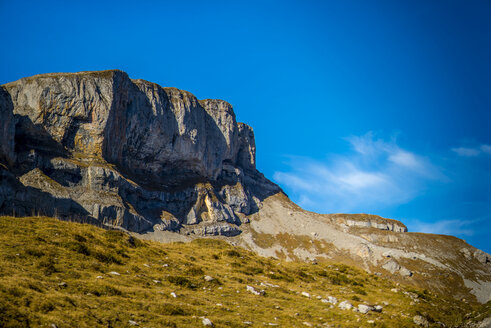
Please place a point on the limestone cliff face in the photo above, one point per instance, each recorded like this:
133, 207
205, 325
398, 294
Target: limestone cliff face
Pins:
127, 153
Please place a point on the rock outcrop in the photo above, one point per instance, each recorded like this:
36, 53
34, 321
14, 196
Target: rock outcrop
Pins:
101, 148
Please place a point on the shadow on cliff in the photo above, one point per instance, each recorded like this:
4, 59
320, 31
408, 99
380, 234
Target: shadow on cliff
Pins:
34, 148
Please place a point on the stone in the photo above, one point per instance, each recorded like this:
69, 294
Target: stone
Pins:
377, 308
405, 272
482, 257
305, 294
364, 309
208, 278
114, 273
391, 266
267, 284
394, 267
133, 323
467, 253
345, 305
254, 291
207, 322
420, 321
173, 294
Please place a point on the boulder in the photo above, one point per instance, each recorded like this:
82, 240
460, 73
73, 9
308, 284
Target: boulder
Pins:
345, 305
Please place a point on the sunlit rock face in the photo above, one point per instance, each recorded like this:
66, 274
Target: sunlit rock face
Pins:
128, 153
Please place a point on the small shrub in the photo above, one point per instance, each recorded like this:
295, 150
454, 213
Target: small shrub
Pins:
279, 276
34, 252
74, 274
171, 309
355, 298
181, 281
134, 242
34, 287
96, 266
232, 253
339, 279
251, 271
44, 306
238, 279
47, 265
114, 236
79, 238
195, 271
105, 290
106, 258
11, 317
69, 301
122, 252
359, 290
304, 276
78, 247
215, 256
15, 291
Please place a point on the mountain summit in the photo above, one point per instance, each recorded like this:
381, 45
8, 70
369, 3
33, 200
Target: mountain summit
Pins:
101, 148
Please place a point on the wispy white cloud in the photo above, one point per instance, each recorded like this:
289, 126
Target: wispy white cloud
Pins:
444, 227
472, 152
377, 174
486, 149
405, 158
467, 152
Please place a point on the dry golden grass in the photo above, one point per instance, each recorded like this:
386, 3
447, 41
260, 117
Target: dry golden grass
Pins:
55, 272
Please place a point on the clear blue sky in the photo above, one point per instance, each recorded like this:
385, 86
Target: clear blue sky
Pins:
380, 107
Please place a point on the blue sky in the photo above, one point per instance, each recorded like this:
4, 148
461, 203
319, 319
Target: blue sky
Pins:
379, 107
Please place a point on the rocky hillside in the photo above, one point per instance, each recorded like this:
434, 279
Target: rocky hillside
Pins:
63, 274
101, 148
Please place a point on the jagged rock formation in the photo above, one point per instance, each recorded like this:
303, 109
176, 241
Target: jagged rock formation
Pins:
102, 148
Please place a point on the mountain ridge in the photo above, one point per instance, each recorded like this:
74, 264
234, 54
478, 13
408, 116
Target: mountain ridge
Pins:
102, 148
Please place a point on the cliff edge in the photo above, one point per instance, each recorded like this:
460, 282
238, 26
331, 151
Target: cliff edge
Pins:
102, 148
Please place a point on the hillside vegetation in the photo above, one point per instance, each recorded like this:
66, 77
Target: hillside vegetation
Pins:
63, 274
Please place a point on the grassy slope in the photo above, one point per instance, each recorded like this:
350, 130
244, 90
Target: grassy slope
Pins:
38, 255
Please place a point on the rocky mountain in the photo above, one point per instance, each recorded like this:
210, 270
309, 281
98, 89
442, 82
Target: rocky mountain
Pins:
101, 148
